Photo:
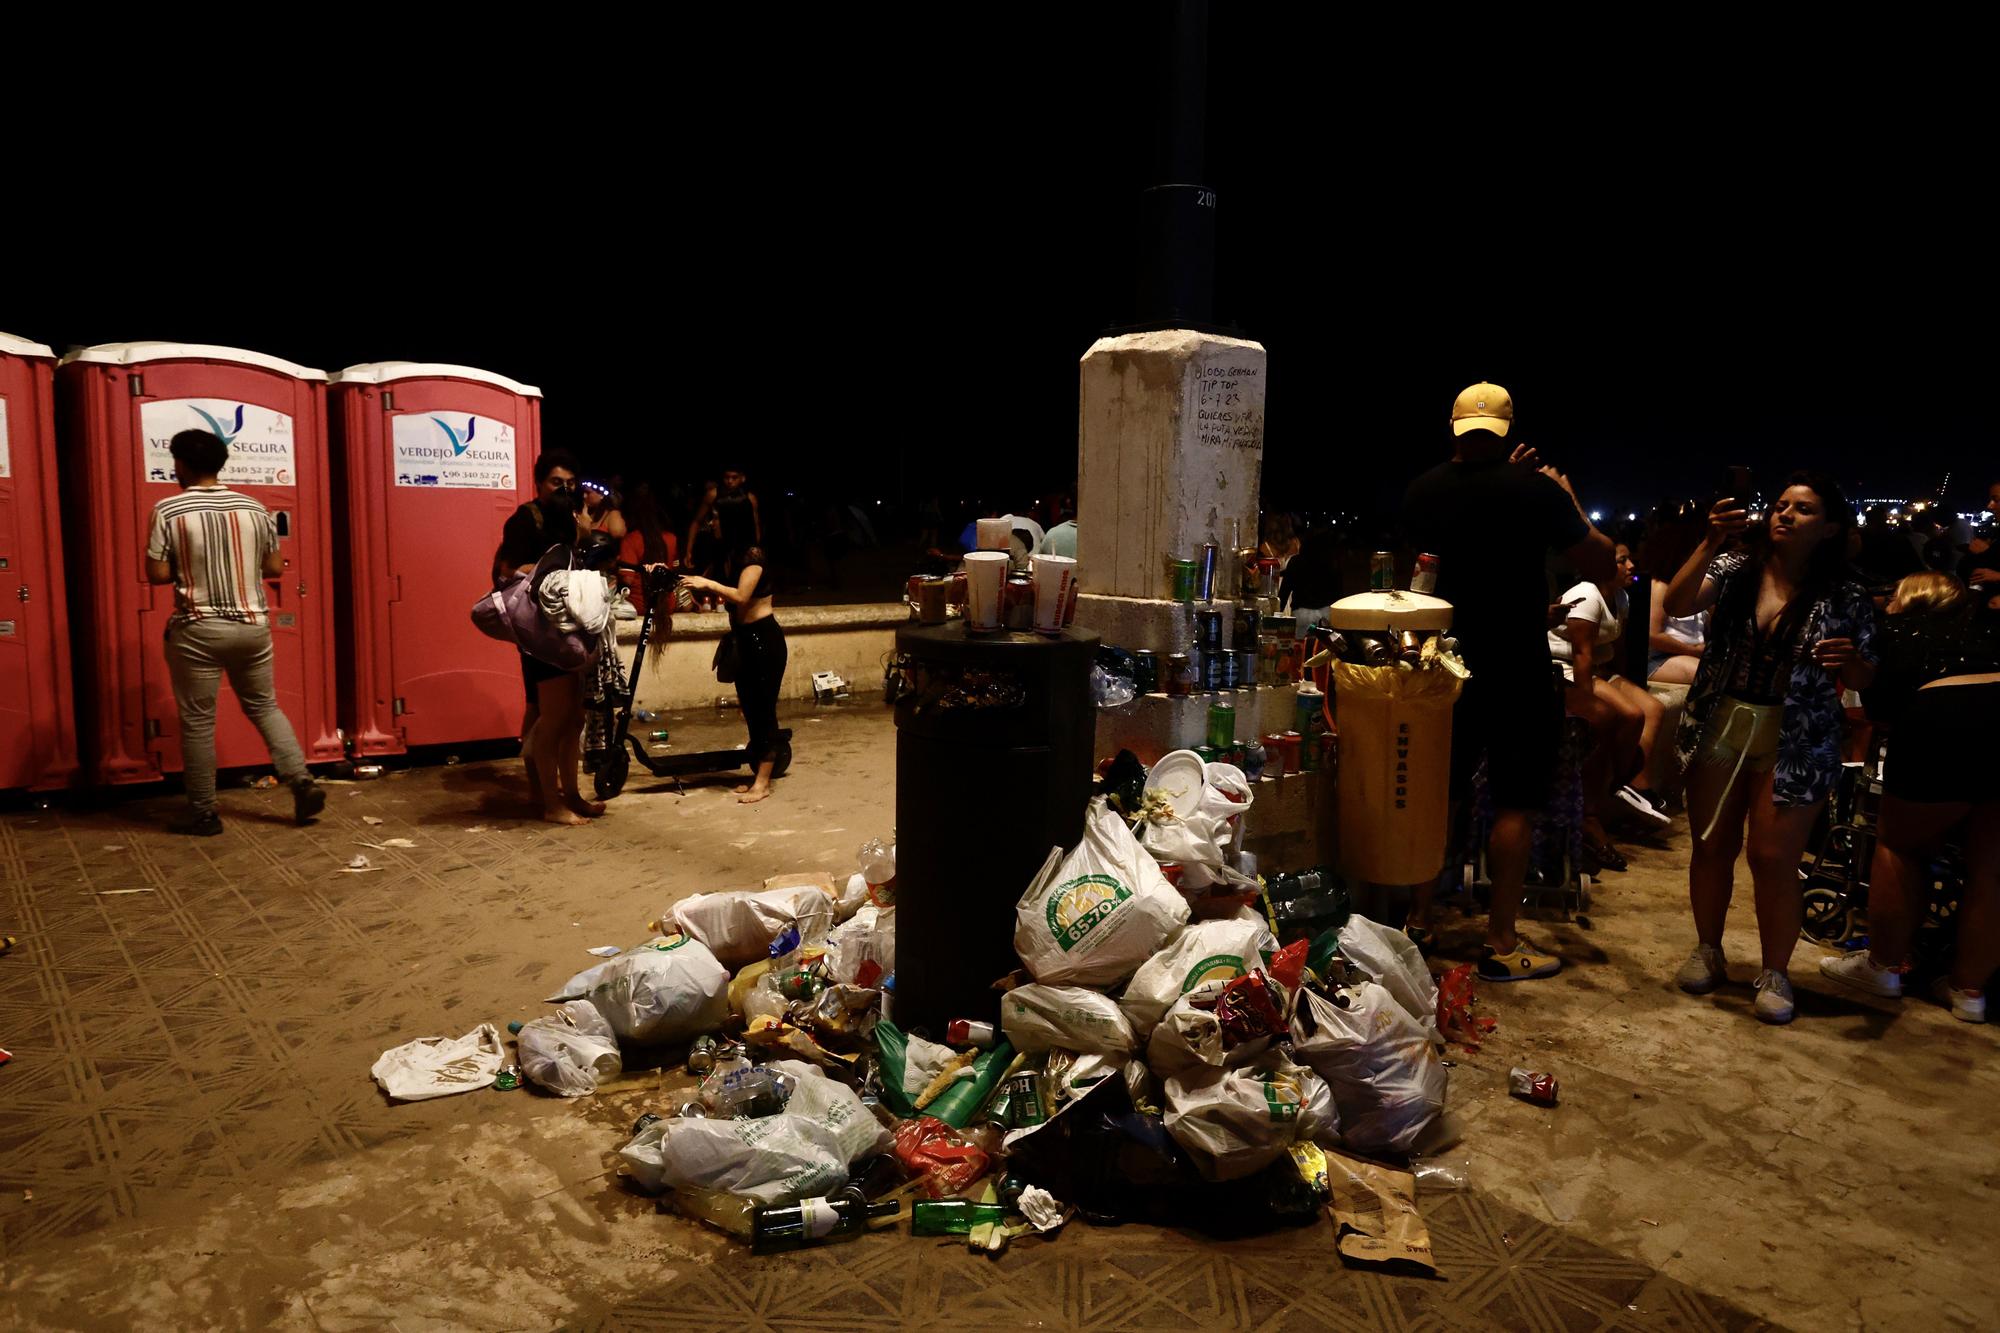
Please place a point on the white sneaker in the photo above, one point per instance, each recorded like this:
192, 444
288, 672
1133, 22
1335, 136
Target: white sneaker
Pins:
1645, 810
1774, 997
1858, 970
1967, 1006
1704, 970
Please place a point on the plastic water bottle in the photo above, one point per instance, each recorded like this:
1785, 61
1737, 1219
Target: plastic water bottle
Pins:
878, 867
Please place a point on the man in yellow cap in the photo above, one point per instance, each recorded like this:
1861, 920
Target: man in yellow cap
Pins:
1491, 517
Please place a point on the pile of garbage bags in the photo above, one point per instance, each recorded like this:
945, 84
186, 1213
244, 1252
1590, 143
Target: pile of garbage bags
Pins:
1160, 1055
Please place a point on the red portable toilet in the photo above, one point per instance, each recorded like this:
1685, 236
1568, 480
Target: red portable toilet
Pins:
432, 459
121, 405
37, 710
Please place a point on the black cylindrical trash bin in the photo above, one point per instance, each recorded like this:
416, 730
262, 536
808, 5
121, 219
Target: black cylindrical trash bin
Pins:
994, 752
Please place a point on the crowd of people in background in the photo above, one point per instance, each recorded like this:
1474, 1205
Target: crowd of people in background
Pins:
1796, 641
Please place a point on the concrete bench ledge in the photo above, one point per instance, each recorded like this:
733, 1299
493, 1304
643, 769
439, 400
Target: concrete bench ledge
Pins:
795, 619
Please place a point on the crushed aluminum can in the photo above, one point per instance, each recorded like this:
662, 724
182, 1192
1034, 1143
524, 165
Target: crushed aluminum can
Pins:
367, 772
647, 1119
1532, 1086
508, 1079
692, 1111
701, 1055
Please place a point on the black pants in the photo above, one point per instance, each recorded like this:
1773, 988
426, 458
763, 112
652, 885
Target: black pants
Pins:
760, 669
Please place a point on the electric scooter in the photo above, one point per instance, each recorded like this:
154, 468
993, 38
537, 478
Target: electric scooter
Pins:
610, 765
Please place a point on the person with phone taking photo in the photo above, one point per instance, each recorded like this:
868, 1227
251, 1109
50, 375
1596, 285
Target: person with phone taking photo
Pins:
1760, 737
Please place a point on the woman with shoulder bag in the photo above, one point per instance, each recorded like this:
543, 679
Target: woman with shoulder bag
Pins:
1760, 738
552, 725
752, 656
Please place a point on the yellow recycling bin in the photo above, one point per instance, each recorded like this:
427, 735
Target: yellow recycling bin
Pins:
1395, 742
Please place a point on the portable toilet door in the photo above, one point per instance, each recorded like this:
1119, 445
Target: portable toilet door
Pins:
122, 405
37, 710
433, 458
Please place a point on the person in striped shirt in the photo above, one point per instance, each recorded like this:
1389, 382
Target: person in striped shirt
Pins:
216, 548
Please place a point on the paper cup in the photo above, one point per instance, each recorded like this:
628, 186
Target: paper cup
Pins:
985, 583
1055, 575
933, 595
994, 533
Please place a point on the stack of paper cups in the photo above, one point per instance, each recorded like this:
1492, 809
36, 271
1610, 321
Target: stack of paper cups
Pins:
986, 580
1055, 578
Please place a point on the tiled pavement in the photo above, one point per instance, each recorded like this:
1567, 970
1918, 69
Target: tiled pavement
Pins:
192, 1018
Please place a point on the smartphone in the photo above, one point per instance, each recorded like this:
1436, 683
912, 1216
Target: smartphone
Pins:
1737, 485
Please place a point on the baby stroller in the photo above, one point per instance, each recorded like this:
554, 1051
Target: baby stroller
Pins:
1556, 874
1834, 876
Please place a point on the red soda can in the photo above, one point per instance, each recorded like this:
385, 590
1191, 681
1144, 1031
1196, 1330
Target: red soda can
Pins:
970, 1032
1532, 1086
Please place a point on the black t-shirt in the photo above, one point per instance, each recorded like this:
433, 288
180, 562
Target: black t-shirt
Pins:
531, 530
1491, 526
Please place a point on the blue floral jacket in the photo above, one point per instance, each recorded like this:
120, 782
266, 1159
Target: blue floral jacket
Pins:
1810, 731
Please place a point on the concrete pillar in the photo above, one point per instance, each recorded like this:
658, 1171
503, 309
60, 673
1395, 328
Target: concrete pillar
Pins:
1170, 443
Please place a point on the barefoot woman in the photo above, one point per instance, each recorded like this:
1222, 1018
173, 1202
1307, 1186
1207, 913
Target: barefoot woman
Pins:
760, 656
552, 726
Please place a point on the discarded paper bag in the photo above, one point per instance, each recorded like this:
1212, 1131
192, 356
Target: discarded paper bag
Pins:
1375, 1208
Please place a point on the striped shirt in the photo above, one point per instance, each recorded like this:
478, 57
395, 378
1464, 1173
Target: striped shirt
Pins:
216, 541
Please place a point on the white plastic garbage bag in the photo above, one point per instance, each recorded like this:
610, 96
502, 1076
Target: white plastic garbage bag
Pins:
668, 989
1086, 1071
853, 896
738, 927
1388, 958
439, 1066
1190, 1037
1233, 1122
1204, 951
1195, 844
1037, 1018
1386, 1077
569, 1051
803, 1151
868, 936
1091, 917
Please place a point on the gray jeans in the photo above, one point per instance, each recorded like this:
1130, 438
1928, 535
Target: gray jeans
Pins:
199, 653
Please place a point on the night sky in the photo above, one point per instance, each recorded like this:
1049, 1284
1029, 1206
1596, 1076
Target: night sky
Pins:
863, 257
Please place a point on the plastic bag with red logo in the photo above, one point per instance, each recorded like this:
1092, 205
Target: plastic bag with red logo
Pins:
928, 1147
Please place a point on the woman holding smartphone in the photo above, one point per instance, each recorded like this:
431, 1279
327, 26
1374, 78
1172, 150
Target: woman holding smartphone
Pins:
1760, 736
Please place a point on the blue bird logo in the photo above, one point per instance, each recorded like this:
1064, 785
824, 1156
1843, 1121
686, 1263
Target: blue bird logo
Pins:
226, 436
458, 446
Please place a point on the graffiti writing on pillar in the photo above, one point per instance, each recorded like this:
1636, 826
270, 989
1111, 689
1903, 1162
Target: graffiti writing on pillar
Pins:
1229, 408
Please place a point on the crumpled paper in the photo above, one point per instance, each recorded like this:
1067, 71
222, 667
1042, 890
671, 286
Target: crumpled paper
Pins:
1043, 1209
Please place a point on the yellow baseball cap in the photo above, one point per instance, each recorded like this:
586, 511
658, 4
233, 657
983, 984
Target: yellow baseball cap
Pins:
1482, 407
